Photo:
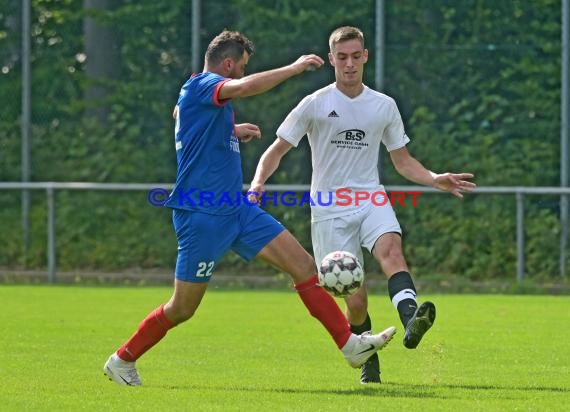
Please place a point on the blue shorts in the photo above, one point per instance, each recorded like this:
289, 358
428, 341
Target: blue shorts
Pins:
203, 239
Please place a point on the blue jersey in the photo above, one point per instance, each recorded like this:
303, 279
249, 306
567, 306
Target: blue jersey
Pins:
209, 177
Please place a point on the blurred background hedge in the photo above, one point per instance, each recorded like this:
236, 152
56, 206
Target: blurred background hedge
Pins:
477, 83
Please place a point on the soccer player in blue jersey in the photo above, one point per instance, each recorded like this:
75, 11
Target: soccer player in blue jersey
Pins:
209, 220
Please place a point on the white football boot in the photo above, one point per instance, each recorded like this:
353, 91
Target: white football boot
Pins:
360, 347
121, 372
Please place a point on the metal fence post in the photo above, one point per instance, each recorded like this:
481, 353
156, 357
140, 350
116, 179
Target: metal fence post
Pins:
196, 26
50, 233
563, 233
564, 133
520, 236
26, 123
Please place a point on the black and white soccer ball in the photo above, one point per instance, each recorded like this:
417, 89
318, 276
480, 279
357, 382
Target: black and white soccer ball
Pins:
341, 274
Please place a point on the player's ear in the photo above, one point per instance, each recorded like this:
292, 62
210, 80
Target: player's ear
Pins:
331, 59
365, 56
228, 65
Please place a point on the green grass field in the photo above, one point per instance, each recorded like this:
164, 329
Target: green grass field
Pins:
260, 351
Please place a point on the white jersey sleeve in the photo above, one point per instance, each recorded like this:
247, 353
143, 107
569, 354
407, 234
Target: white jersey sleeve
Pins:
394, 136
298, 122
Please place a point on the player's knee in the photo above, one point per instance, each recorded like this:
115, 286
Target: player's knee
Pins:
357, 305
183, 317
392, 256
178, 313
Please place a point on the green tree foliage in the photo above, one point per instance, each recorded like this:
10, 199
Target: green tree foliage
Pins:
477, 83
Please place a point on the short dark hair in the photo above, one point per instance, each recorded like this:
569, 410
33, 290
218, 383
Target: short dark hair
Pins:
230, 44
345, 33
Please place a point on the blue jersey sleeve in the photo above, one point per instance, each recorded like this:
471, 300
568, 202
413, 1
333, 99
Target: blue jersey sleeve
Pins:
203, 89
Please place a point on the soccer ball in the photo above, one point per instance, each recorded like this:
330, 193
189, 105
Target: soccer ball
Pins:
341, 274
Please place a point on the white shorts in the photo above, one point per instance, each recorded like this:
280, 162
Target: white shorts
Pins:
352, 232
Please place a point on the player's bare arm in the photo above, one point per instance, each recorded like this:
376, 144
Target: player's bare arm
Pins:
413, 170
268, 164
245, 132
261, 82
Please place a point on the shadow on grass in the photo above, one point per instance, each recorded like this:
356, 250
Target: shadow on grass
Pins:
394, 390
506, 388
372, 391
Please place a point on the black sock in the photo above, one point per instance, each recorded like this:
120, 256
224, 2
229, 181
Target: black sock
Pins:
403, 295
360, 329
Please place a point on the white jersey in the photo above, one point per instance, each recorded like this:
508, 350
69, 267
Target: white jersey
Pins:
344, 134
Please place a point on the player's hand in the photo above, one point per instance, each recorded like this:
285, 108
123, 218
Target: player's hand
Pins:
247, 131
308, 62
254, 193
454, 183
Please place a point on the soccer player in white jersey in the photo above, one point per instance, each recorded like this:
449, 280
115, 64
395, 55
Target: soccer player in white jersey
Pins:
345, 122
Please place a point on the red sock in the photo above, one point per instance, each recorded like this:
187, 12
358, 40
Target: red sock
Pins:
323, 307
151, 330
